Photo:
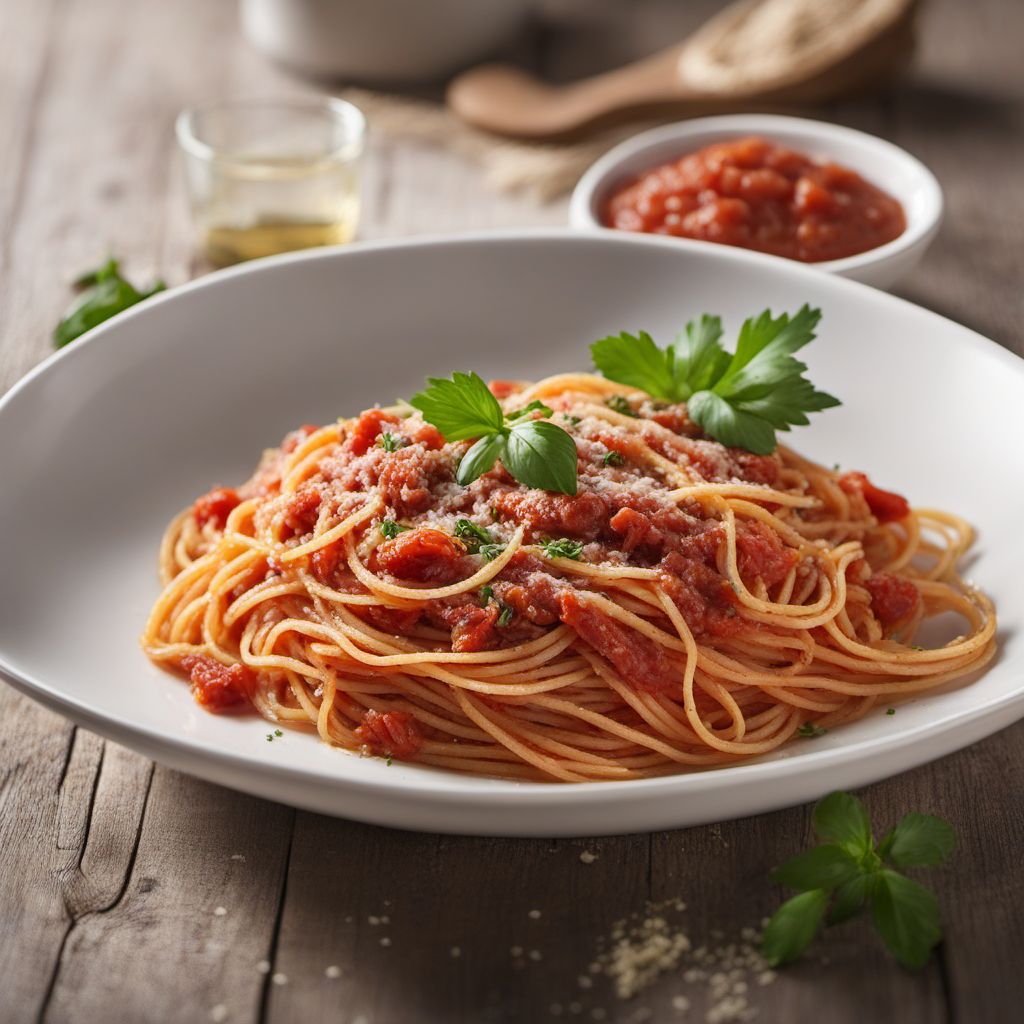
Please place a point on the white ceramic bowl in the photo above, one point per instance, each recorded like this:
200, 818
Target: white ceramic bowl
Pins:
380, 40
880, 162
104, 442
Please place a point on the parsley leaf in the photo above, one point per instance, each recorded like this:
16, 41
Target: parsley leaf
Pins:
461, 408
851, 873
106, 294
810, 730
486, 593
740, 399
612, 458
535, 451
535, 406
620, 404
489, 552
507, 611
563, 548
471, 535
392, 442
390, 529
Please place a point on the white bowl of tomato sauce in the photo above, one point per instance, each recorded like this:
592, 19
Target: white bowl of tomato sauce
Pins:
831, 197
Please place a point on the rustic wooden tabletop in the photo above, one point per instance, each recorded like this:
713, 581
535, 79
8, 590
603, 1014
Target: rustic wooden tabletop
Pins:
129, 892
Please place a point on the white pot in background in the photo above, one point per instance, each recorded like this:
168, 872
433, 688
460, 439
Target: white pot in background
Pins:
380, 40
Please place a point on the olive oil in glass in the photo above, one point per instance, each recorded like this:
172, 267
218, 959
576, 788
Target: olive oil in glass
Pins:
273, 177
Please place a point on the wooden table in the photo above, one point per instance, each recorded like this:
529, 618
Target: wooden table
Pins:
132, 893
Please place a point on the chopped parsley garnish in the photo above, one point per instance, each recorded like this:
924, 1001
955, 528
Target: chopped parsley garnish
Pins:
536, 452
486, 593
613, 458
390, 529
535, 406
563, 548
507, 611
851, 872
277, 732
104, 294
472, 536
489, 552
739, 398
389, 761
573, 421
620, 404
890, 711
392, 442
810, 729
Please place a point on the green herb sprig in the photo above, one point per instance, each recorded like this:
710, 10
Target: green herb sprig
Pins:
853, 873
105, 293
535, 451
740, 398
563, 548
390, 529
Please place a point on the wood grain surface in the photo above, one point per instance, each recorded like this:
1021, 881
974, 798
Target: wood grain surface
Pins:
132, 893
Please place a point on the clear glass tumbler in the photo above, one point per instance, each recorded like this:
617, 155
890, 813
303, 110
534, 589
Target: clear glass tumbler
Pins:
265, 177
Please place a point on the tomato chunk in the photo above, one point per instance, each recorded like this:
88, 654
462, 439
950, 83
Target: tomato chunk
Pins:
892, 599
215, 685
391, 734
424, 555
886, 506
760, 553
216, 506
636, 658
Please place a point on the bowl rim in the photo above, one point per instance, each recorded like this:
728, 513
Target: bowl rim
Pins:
919, 230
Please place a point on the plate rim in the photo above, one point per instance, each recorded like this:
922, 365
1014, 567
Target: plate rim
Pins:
507, 793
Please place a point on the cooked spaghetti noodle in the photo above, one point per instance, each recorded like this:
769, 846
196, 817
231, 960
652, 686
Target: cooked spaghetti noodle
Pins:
704, 606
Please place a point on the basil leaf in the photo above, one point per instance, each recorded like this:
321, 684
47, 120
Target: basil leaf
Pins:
918, 841
539, 454
823, 867
107, 295
841, 819
480, 458
850, 898
793, 926
461, 408
906, 915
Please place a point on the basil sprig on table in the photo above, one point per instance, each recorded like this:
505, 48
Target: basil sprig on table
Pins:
105, 294
739, 398
535, 451
850, 872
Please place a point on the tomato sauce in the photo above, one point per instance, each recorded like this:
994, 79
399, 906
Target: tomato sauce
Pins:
756, 195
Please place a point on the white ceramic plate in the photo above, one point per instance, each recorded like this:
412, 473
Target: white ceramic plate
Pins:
880, 162
104, 442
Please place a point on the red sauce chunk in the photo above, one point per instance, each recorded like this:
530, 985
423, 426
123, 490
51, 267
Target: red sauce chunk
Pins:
215, 507
639, 661
892, 599
391, 734
423, 555
756, 195
885, 506
215, 685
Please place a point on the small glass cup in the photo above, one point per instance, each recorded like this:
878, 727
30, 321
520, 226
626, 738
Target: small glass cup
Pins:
265, 177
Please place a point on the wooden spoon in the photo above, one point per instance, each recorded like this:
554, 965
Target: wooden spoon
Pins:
772, 51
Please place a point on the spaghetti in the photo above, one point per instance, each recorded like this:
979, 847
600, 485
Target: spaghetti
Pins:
692, 605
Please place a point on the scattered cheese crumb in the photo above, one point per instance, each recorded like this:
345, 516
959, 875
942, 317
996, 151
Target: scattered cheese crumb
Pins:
516, 950
385, 941
534, 914
334, 971
455, 952
263, 967
535, 954
238, 856
219, 1012
585, 982
220, 912
373, 920
280, 979
680, 1004
587, 857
